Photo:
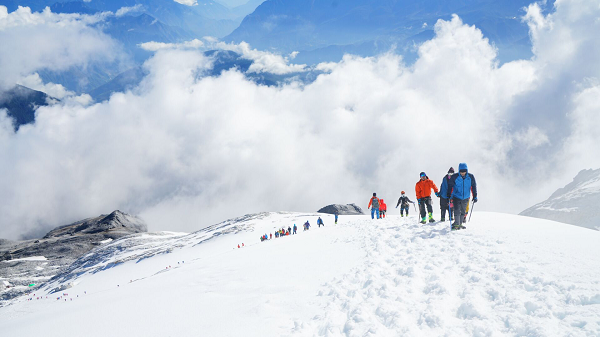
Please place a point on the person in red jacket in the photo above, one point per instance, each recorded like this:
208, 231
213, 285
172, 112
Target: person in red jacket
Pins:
423, 189
382, 208
375, 203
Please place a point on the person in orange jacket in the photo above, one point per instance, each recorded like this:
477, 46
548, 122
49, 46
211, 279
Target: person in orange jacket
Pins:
382, 208
375, 203
423, 189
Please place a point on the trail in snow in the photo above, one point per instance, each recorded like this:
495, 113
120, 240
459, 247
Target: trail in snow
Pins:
420, 279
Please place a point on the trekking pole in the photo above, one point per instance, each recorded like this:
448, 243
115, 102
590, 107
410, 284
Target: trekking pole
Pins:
450, 212
472, 205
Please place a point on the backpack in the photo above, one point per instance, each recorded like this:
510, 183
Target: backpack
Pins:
375, 202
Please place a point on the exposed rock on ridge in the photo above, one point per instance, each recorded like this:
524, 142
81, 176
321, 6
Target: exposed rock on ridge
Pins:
349, 209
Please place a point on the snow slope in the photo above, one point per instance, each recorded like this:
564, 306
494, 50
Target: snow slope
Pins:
504, 275
578, 203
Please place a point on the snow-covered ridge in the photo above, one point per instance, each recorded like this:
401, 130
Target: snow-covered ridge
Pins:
146, 245
504, 275
578, 203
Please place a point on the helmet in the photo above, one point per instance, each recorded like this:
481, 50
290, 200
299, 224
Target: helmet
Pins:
422, 174
402, 192
374, 194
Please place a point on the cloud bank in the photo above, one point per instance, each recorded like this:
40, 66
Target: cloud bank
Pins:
46, 40
185, 152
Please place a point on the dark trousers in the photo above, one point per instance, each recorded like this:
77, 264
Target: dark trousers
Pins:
460, 210
444, 203
425, 202
402, 209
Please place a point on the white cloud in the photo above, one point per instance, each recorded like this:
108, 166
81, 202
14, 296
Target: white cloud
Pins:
156, 46
126, 10
186, 152
262, 61
532, 137
34, 81
187, 2
45, 40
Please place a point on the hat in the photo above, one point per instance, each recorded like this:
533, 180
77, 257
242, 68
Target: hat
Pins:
402, 192
422, 174
374, 194
451, 170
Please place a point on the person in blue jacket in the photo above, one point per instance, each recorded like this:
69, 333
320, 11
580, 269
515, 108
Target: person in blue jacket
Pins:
444, 201
460, 186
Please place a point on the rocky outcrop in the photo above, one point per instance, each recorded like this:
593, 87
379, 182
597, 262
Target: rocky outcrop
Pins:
23, 263
116, 223
349, 209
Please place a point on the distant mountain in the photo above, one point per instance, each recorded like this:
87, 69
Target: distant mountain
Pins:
72, 7
306, 25
38, 260
349, 209
21, 103
247, 8
205, 18
123, 82
578, 203
133, 30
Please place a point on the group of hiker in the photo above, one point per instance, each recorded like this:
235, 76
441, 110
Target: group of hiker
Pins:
455, 195
292, 230
378, 207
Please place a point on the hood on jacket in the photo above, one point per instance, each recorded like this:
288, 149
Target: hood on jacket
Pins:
463, 166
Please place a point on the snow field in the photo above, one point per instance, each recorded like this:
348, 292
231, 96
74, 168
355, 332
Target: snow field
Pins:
504, 276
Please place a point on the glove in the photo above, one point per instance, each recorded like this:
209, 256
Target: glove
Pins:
396, 206
475, 200
437, 194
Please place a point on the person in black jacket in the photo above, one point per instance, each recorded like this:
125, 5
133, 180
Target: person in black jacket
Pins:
444, 201
403, 202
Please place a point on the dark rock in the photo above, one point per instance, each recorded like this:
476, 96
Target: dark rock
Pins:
114, 222
349, 209
21, 103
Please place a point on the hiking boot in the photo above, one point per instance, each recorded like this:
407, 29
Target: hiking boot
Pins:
423, 221
431, 220
443, 219
462, 227
454, 228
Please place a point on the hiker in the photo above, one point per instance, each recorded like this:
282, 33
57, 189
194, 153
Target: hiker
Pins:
289, 229
295, 228
444, 202
336, 217
382, 208
375, 203
403, 202
320, 222
460, 187
270, 236
423, 189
